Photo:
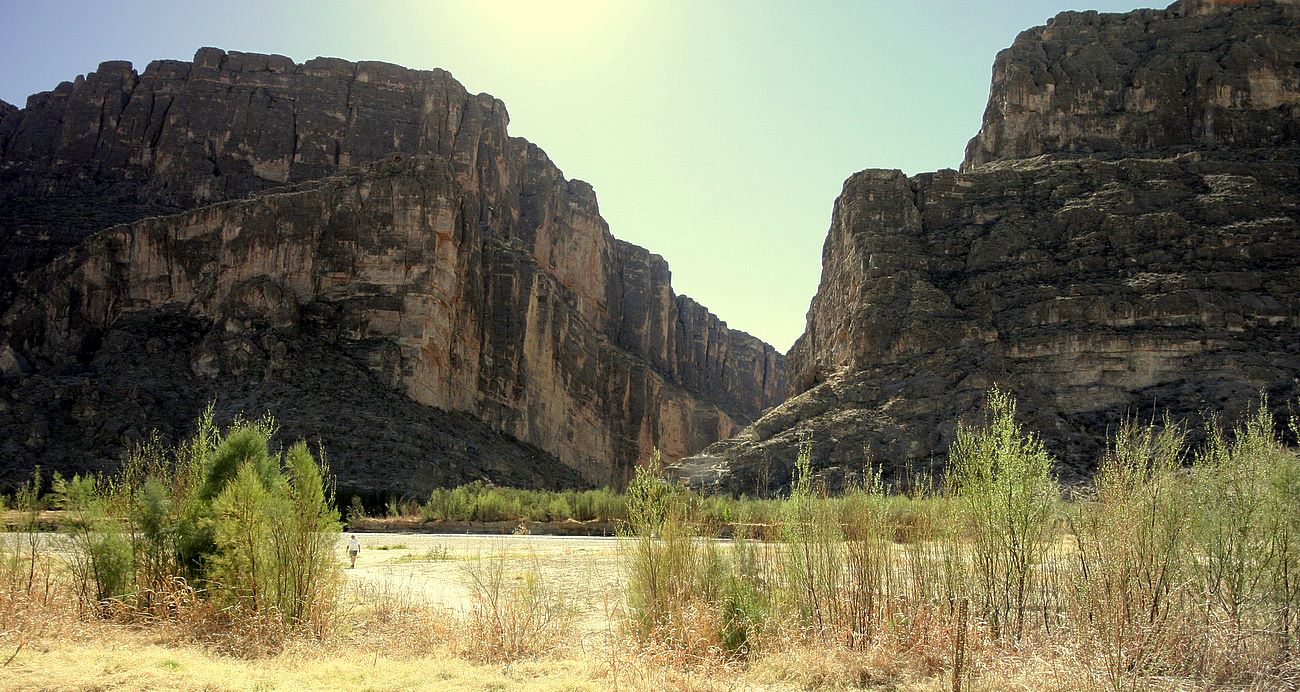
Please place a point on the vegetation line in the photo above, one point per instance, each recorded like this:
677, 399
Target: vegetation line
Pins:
1178, 567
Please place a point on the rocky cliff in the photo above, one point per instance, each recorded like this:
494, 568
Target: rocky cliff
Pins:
1202, 74
1158, 273
459, 282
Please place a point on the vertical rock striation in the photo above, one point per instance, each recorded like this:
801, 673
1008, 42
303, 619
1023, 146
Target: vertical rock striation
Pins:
1124, 239
461, 269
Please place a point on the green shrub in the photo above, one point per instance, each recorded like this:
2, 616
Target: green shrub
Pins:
674, 579
101, 560
1002, 477
1246, 492
223, 511
1131, 540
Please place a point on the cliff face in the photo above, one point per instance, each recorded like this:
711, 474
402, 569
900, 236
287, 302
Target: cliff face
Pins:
1201, 74
462, 271
1091, 286
115, 145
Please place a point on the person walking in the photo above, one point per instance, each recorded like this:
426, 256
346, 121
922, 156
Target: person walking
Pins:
354, 549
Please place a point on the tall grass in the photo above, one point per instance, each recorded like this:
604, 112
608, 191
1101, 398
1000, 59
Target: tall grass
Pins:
869, 574
514, 615
1131, 538
674, 576
813, 556
479, 501
1178, 566
1177, 563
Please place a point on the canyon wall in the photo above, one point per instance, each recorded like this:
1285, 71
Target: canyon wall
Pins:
460, 270
1198, 75
1091, 257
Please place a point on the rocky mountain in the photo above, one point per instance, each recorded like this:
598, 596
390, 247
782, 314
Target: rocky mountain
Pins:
1123, 239
358, 247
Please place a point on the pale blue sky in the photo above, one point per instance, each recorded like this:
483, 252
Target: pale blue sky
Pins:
717, 133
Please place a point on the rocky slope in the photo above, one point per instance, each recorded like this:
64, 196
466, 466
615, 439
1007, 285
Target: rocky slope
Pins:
1157, 273
460, 283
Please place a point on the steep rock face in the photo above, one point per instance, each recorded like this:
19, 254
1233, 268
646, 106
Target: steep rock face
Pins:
1090, 289
473, 277
1200, 74
1091, 286
115, 145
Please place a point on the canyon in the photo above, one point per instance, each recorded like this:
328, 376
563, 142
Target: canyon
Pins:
363, 250
1122, 242
360, 249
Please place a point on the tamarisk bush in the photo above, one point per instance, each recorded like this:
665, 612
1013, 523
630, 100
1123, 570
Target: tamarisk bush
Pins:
1002, 478
221, 511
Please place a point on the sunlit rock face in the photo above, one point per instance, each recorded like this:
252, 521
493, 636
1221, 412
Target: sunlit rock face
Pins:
391, 274
1158, 273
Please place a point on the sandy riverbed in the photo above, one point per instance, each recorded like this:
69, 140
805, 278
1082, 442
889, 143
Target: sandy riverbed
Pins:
585, 571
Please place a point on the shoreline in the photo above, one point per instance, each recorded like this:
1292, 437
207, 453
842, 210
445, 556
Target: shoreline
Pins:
570, 527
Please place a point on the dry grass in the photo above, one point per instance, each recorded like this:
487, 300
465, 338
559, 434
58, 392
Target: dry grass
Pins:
387, 639
114, 657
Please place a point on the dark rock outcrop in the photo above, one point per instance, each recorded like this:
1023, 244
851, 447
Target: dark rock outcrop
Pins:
1093, 286
1201, 74
460, 278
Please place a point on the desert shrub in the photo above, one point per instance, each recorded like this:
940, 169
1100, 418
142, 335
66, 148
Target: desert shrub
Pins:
101, 561
748, 597
557, 509
1246, 489
22, 549
251, 527
356, 512
274, 531
598, 505
868, 558
1002, 478
494, 506
1131, 539
813, 559
307, 530
674, 577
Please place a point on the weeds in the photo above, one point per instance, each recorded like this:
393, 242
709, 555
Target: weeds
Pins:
1179, 567
514, 615
1002, 480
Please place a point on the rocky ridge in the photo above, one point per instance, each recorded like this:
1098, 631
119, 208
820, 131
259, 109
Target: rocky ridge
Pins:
1088, 258
460, 278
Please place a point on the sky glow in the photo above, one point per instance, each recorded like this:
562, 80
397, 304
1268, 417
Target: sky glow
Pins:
716, 133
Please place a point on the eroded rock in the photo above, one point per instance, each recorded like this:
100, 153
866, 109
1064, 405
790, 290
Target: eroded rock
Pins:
1156, 273
459, 270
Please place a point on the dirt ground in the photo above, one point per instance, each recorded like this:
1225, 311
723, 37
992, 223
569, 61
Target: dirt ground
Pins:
585, 571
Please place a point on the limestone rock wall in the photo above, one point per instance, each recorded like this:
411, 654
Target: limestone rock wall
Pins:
1090, 289
1123, 241
463, 269
1199, 74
